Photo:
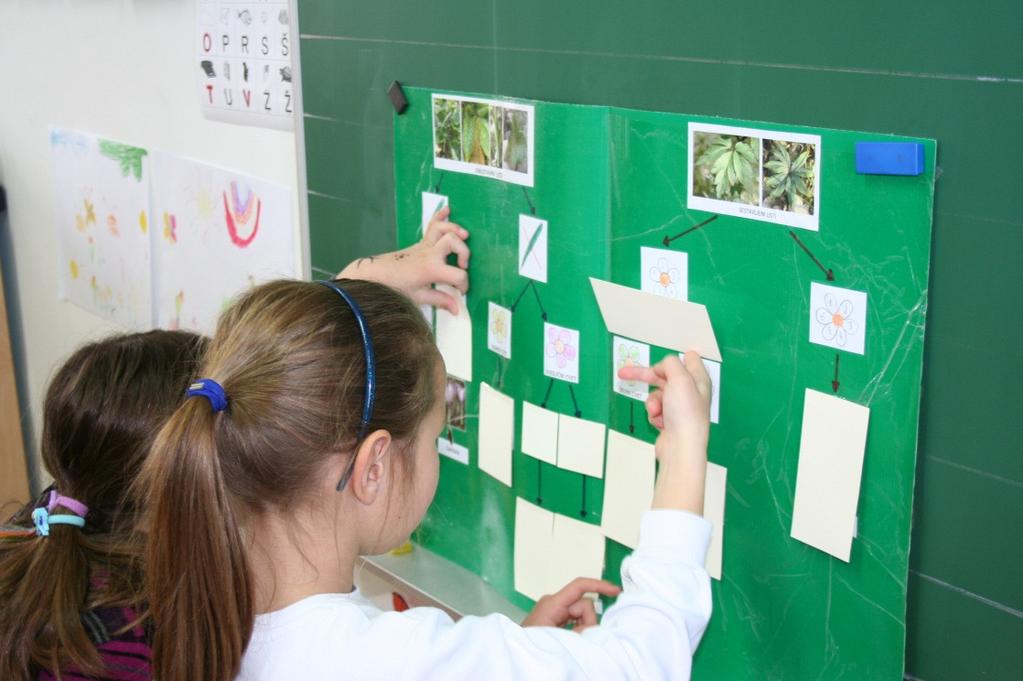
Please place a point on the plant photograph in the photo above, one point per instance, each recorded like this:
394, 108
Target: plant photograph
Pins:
726, 167
447, 129
789, 176
514, 146
496, 125
454, 401
477, 133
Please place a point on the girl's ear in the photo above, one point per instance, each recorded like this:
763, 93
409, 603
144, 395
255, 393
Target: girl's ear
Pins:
372, 467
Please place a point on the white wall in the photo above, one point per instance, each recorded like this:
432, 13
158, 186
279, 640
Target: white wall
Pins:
121, 68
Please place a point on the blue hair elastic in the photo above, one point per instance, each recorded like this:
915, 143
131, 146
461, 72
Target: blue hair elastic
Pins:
42, 519
211, 390
371, 369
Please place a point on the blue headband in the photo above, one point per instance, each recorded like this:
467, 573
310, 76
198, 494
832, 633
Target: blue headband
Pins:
211, 390
371, 368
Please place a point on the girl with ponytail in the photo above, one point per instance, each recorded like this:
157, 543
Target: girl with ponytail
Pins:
311, 440
71, 563
70, 580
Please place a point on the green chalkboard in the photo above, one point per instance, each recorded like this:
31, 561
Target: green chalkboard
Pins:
935, 69
610, 181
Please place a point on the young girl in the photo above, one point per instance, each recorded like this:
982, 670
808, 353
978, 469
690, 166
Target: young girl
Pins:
311, 441
70, 563
69, 574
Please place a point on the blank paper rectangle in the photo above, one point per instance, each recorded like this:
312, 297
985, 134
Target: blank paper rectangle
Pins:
534, 538
673, 324
628, 487
540, 433
578, 551
454, 336
831, 451
714, 513
581, 446
714, 373
497, 433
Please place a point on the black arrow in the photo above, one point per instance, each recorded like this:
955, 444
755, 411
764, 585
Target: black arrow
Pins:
834, 383
532, 208
582, 510
827, 272
547, 395
436, 187
539, 481
543, 312
518, 299
451, 436
574, 403
632, 416
668, 239
521, 293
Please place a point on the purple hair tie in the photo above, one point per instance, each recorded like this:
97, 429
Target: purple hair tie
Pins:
73, 505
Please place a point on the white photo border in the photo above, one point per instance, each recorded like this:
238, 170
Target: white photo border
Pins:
525, 179
759, 212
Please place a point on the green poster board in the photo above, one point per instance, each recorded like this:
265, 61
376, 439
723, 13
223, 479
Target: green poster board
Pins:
609, 181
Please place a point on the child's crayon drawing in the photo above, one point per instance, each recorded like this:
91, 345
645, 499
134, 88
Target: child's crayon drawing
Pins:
222, 232
102, 195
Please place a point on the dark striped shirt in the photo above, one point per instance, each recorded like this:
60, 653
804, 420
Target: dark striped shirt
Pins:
127, 655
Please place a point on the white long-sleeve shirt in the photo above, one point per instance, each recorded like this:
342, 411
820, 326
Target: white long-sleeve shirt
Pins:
650, 633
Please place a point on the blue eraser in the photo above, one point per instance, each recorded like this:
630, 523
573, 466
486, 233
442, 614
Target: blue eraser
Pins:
889, 158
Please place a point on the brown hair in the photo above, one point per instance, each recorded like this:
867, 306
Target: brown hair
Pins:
102, 411
289, 355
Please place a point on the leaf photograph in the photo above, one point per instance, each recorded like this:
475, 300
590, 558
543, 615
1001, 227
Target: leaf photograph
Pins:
767, 175
447, 129
477, 133
515, 147
726, 167
789, 176
486, 137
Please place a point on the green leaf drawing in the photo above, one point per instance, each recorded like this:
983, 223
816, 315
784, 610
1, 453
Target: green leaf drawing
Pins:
128, 156
532, 243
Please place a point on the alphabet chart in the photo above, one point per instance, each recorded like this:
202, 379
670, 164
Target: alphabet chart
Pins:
243, 68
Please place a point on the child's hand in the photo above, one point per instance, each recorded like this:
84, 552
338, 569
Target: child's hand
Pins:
680, 409
416, 269
570, 605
